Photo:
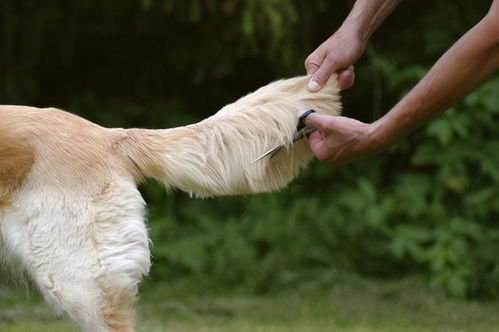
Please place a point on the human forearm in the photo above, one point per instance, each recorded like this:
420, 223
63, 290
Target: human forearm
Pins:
366, 16
468, 63
462, 68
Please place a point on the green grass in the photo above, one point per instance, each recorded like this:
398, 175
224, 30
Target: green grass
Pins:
405, 305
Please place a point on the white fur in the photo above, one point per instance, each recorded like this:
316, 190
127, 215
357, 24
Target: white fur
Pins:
72, 217
214, 157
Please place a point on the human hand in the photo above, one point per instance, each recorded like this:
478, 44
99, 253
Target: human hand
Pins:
337, 54
340, 139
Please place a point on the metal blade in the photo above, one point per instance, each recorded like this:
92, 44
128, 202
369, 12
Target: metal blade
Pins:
301, 132
269, 152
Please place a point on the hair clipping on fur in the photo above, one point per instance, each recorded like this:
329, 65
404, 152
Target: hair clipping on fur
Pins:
302, 131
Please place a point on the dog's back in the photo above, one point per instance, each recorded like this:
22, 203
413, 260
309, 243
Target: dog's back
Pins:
55, 147
16, 159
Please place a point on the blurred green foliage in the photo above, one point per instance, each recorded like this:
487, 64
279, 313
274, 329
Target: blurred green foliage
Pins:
428, 206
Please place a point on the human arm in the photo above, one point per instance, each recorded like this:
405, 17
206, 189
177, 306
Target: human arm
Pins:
340, 51
473, 58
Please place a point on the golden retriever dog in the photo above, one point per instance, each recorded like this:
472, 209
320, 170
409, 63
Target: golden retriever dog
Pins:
71, 217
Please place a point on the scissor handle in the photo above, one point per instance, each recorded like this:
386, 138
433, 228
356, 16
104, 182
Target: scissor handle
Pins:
301, 125
301, 132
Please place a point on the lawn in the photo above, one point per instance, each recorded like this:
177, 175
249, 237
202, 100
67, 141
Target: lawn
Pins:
402, 305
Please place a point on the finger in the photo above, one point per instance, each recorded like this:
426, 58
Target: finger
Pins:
318, 121
322, 74
316, 140
346, 78
311, 68
313, 62
317, 145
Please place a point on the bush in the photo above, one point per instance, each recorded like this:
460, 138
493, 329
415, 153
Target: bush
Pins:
427, 206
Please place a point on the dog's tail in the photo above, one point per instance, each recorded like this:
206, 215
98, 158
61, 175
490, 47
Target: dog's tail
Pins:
214, 157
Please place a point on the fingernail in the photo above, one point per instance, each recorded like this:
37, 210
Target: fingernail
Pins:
313, 85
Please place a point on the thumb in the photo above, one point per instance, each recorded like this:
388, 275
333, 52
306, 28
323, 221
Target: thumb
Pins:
321, 75
319, 121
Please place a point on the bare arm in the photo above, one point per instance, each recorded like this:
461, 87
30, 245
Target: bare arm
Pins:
459, 71
473, 58
340, 51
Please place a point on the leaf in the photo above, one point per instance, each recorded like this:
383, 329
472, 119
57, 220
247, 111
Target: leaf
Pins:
442, 130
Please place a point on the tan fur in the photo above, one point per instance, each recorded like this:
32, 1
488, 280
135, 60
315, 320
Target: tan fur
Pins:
118, 311
16, 160
69, 208
213, 157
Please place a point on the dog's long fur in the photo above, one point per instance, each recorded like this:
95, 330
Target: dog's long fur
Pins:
70, 212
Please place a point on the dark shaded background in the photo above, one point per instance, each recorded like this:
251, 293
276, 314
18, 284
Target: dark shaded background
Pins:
429, 206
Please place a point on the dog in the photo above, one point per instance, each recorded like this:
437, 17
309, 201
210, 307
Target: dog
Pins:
72, 219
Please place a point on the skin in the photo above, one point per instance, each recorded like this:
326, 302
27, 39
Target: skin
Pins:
340, 51
473, 58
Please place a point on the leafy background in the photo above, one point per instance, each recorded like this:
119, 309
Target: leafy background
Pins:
429, 206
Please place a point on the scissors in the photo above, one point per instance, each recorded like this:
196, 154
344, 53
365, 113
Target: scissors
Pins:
302, 131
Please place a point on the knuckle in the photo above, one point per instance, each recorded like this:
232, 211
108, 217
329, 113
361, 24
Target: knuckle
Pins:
311, 63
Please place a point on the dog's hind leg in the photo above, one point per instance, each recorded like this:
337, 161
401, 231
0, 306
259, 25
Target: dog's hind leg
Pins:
52, 259
85, 254
78, 297
123, 250
51, 235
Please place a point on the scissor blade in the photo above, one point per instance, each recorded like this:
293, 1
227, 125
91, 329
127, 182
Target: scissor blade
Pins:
271, 151
297, 136
302, 132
